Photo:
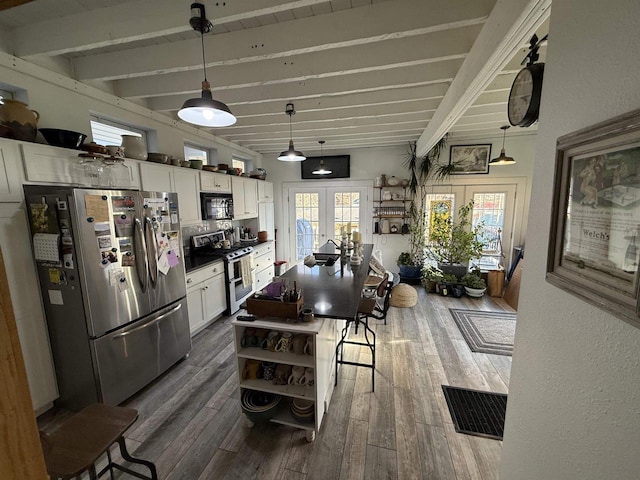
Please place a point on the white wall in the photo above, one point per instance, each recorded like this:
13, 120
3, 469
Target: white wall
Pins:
574, 396
367, 163
64, 103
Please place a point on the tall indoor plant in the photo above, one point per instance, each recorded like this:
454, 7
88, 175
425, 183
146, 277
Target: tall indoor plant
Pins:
421, 169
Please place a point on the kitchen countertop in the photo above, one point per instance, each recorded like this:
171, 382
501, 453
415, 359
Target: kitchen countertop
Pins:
328, 293
194, 262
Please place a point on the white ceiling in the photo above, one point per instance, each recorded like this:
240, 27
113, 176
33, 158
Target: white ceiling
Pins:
360, 72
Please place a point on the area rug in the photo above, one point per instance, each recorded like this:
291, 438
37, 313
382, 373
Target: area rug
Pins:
486, 332
476, 413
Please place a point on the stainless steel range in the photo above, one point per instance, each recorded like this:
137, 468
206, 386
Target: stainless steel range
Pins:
239, 267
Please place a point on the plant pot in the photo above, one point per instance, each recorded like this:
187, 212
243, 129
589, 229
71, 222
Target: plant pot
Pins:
410, 272
22, 122
134, 147
456, 269
474, 292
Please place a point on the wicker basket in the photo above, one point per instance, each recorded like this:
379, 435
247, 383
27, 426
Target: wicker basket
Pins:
403, 296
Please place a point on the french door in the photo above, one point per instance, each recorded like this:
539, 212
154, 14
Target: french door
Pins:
318, 214
495, 205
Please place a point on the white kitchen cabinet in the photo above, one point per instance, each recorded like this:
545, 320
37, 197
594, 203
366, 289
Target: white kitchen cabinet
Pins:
206, 296
265, 219
47, 164
11, 181
186, 185
184, 182
263, 261
245, 197
27, 306
265, 191
215, 182
319, 361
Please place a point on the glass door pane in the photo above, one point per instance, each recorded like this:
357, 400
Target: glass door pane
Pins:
346, 208
307, 221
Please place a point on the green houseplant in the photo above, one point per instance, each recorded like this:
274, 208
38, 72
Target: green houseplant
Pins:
420, 170
474, 284
453, 242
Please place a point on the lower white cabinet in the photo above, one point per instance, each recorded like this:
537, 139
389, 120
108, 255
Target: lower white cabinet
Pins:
206, 296
317, 360
263, 260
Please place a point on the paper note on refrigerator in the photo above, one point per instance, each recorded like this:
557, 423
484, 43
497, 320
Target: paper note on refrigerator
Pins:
163, 263
46, 247
97, 207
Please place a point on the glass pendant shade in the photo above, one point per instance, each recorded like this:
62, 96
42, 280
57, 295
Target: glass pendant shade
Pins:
291, 155
205, 111
502, 159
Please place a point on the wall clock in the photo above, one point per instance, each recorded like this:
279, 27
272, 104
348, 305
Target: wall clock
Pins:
524, 97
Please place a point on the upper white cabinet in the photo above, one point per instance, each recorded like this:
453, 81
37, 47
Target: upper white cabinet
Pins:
215, 182
10, 177
265, 191
245, 197
265, 218
184, 182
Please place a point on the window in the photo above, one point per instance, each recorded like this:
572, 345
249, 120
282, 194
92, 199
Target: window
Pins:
241, 164
108, 132
193, 152
5, 94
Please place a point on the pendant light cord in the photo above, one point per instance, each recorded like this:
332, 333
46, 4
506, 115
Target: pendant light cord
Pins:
204, 64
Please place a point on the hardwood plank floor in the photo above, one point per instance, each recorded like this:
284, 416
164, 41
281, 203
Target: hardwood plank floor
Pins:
191, 424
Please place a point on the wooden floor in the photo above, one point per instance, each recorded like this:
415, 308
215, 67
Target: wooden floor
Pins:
191, 425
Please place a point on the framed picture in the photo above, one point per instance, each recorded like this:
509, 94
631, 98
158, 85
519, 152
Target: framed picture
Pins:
594, 244
469, 159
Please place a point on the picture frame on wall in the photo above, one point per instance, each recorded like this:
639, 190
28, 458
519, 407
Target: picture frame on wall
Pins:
469, 159
594, 242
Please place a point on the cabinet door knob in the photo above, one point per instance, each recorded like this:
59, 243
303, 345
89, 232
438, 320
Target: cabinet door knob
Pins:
190, 280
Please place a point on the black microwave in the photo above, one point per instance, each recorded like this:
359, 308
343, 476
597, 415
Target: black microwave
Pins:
216, 206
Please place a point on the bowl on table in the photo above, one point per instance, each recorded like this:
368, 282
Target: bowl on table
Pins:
63, 138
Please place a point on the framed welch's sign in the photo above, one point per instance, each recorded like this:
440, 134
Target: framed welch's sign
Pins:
594, 245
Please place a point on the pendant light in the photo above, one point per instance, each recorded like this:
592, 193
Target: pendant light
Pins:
204, 111
321, 170
503, 159
291, 155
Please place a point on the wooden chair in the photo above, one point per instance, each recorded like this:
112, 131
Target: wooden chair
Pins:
76, 446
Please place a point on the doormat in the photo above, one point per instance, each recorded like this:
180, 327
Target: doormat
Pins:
476, 413
486, 332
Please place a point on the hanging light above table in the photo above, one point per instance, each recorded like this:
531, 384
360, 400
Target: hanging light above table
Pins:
321, 170
503, 159
291, 155
204, 111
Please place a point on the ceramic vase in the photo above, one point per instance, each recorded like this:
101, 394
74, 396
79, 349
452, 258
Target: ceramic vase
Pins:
19, 119
134, 147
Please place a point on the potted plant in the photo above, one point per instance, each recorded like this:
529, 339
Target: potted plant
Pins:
431, 277
411, 263
474, 284
450, 286
454, 242
410, 266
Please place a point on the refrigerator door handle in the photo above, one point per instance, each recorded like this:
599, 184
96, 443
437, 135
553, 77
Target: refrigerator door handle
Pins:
152, 250
141, 259
154, 320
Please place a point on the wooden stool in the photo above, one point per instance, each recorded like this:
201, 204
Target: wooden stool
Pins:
77, 445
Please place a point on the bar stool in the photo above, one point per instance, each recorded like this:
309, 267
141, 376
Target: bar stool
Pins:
368, 307
76, 446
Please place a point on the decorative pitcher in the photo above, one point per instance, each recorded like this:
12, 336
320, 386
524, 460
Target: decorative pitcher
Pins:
134, 147
22, 122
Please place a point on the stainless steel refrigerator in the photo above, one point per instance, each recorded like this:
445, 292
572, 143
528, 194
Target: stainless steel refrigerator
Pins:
113, 287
